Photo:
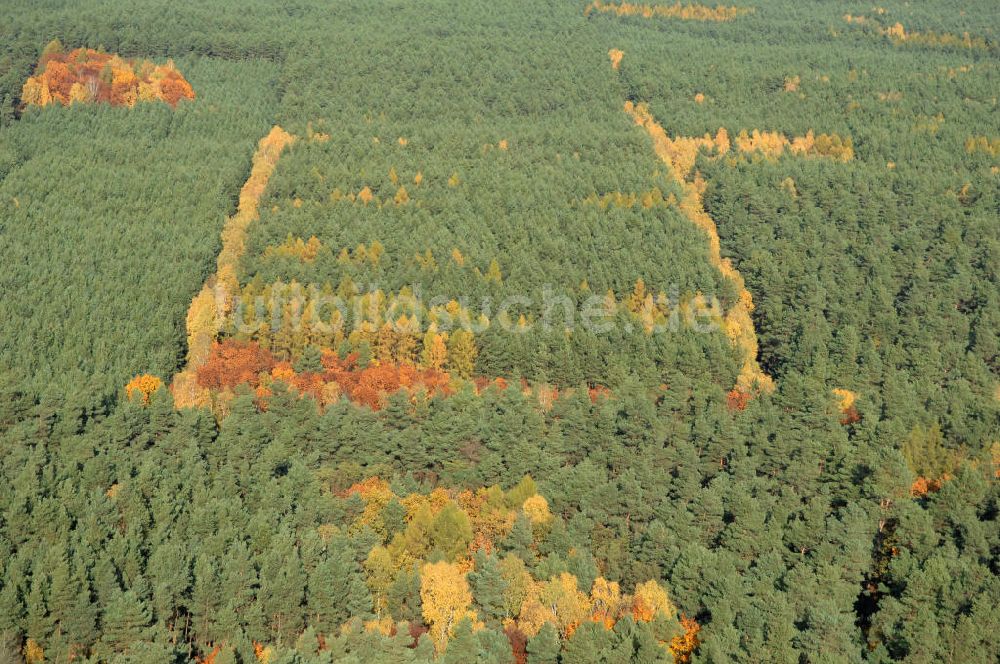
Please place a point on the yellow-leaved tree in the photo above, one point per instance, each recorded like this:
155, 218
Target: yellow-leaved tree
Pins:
649, 600
462, 353
445, 599
435, 352
142, 387
616, 56
605, 602
558, 601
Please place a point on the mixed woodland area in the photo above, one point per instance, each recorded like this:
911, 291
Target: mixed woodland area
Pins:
783, 444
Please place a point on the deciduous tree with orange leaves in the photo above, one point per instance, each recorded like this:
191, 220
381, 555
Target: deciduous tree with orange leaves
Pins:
233, 362
684, 645
142, 387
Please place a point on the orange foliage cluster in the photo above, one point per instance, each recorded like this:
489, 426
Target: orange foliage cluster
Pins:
86, 75
616, 56
142, 387
690, 12
850, 416
210, 657
233, 363
923, 486
849, 413
369, 386
737, 400
683, 646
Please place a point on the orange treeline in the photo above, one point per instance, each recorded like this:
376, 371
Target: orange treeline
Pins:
690, 12
209, 307
773, 144
679, 154
984, 144
234, 233
306, 251
388, 327
647, 199
232, 363
88, 76
898, 35
679, 157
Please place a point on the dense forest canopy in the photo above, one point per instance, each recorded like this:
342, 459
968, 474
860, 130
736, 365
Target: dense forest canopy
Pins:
499, 332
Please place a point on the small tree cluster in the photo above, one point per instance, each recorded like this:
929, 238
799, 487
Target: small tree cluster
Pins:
88, 76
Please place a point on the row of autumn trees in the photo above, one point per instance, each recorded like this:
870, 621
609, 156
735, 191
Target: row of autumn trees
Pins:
323, 375
311, 331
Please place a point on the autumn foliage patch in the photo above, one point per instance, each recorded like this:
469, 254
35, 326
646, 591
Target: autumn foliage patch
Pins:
689, 12
87, 76
232, 363
460, 530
